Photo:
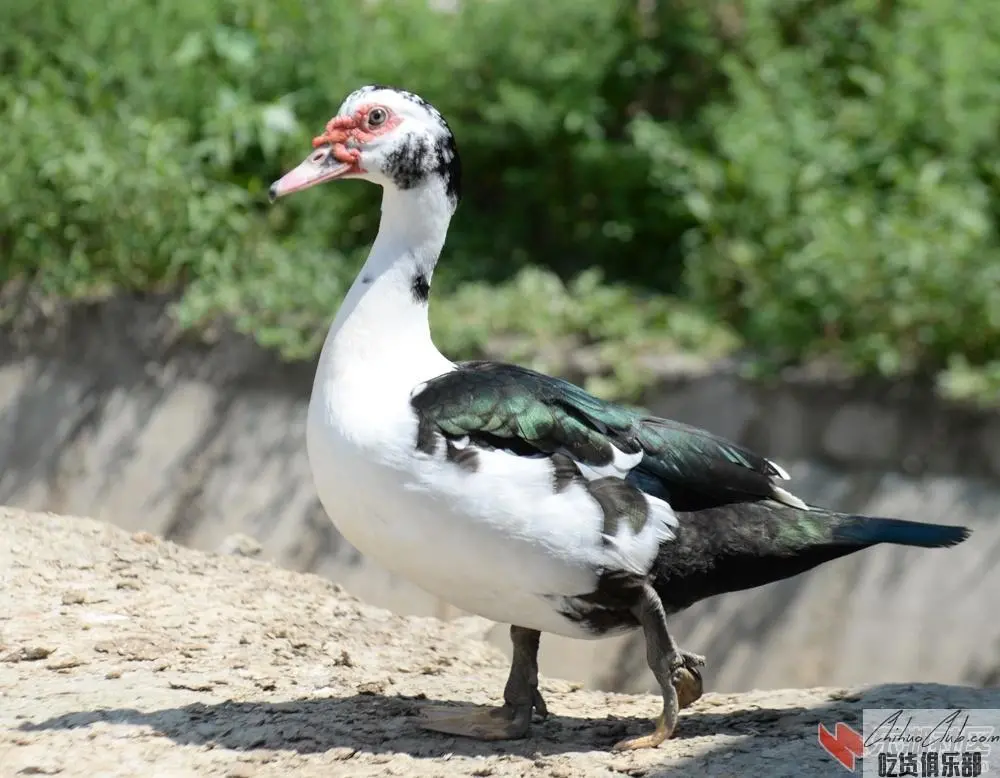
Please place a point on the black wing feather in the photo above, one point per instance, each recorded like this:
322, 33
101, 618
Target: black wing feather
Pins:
498, 405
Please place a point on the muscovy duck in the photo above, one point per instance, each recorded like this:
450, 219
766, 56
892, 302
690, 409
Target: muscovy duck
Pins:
518, 496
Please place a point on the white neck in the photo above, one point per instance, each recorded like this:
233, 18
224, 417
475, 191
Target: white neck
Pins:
382, 324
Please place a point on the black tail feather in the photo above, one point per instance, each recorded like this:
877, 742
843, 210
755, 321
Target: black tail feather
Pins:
867, 531
736, 547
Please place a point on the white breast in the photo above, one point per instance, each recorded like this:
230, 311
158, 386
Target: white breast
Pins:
494, 542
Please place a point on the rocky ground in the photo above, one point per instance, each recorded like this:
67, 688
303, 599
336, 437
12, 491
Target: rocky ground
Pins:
122, 655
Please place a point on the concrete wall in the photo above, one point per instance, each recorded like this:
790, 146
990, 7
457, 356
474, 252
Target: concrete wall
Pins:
108, 413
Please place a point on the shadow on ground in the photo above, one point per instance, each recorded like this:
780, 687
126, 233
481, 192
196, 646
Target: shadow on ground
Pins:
717, 734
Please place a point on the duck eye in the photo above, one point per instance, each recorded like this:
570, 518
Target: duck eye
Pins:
377, 117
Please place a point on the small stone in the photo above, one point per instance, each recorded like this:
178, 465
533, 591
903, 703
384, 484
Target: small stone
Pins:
143, 537
159, 665
74, 598
344, 660
191, 686
134, 649
371, 687
240, 545
112, 674
27, 654
341, 753
65, 663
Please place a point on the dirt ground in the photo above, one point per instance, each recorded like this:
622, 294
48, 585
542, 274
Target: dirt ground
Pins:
122, 655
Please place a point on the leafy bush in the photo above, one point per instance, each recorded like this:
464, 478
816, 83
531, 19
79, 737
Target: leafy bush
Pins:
819, 176
144, 137
847, 203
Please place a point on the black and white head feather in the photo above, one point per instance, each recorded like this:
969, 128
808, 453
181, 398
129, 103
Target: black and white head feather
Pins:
419, 147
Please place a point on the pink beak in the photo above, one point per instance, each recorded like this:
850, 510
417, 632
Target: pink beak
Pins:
317, 168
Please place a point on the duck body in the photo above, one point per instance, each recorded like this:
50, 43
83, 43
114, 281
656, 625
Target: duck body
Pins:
515, 495
544, 540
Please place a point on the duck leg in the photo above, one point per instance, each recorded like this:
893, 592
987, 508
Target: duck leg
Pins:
676, 671
521, 698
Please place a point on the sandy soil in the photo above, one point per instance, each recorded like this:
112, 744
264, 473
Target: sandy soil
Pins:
122, 655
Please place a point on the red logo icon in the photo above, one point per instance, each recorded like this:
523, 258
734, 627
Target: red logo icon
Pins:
844, 744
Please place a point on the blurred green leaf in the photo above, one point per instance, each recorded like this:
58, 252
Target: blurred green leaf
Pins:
820, 178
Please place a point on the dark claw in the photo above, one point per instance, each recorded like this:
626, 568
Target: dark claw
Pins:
539, 704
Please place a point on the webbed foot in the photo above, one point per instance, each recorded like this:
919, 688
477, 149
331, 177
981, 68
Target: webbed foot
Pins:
688, 679
510, 721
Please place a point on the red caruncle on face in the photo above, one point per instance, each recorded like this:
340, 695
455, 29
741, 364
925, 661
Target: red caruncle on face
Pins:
346, 134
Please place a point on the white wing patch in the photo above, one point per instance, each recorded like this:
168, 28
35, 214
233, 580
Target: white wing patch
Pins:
783, 495
620, 466
636, 551
782, 473
786, 497
519, 499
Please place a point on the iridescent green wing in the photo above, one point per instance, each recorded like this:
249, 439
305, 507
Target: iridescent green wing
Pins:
495, 405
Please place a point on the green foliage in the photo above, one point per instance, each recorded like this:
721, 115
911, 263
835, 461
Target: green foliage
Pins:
847, 203
821, 177
608, 333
